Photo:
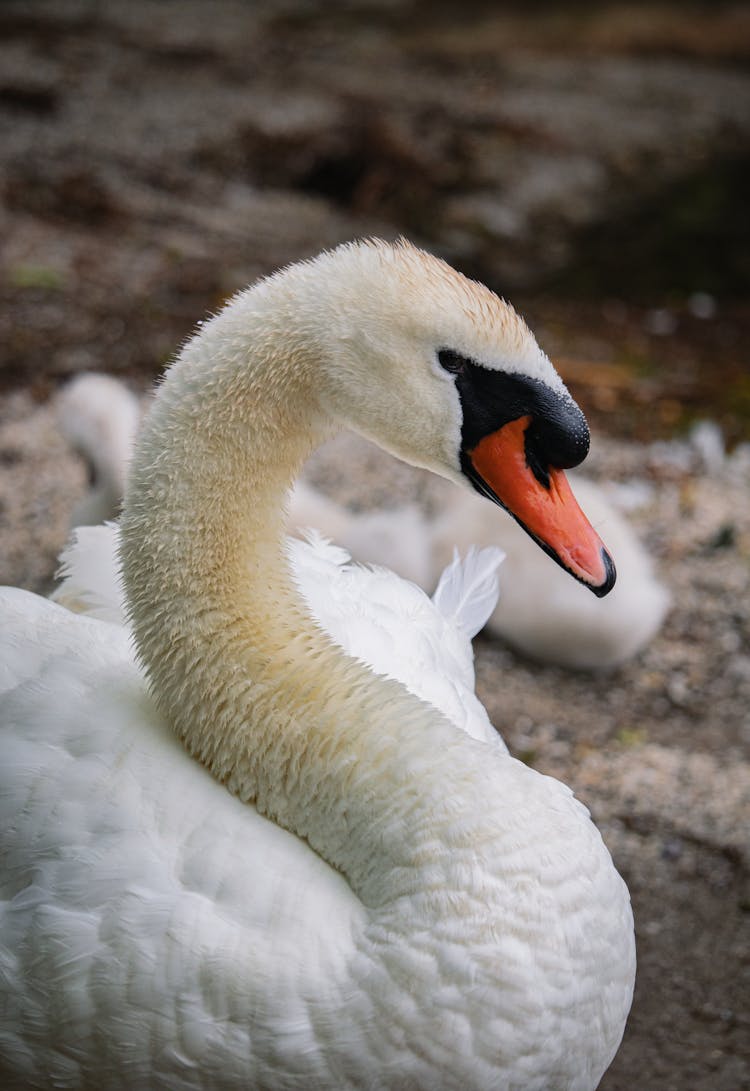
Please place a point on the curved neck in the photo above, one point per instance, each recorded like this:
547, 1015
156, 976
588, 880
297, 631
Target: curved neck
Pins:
251, 684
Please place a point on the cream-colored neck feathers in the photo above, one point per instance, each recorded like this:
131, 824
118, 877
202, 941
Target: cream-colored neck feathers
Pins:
251, 684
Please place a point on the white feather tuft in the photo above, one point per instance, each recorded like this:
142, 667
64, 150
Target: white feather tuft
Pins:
467, 590
90, 581
322, 547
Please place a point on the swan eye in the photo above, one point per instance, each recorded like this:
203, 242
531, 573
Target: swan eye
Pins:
452, 361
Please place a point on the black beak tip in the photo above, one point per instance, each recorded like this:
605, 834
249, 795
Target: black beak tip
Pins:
610, 576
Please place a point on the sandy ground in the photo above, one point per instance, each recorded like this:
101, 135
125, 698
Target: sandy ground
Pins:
149, 166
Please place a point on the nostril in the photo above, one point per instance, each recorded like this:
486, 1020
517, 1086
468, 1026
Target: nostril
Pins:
560, 439
535, 461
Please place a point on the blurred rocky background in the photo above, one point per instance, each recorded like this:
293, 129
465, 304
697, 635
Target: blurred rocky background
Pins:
588, 161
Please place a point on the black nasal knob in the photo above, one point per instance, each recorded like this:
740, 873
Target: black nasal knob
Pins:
560, 438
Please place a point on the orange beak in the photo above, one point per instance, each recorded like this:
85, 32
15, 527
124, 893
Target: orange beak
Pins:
548, 512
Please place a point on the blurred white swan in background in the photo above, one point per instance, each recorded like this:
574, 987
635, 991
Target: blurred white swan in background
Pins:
541, 612
379, 899
99, 417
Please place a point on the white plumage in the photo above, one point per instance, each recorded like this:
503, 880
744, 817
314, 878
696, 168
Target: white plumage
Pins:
389, 903
541, 611
374, 615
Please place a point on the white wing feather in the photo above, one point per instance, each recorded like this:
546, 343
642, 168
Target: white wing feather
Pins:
374, 615
467, 590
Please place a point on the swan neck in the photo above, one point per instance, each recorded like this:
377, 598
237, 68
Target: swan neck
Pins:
249, 681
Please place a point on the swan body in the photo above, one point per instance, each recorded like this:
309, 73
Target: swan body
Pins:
379, 900
374, 615
541, 612
547, 616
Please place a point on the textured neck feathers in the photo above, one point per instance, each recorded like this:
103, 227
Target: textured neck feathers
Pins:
251, 684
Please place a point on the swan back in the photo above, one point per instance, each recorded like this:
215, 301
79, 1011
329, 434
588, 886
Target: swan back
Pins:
372, 614
159, 910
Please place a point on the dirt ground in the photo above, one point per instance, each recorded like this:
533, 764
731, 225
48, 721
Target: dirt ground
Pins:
151, 164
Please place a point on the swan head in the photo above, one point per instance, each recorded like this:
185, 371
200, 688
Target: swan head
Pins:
446, 375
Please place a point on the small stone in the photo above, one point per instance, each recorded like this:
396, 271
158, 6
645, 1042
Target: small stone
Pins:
660, 322
678, 690
672, 850
702, 305
707, 441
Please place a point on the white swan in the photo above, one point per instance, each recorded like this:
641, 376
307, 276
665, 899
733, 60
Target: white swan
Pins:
541, 611
388, 903
100, 417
